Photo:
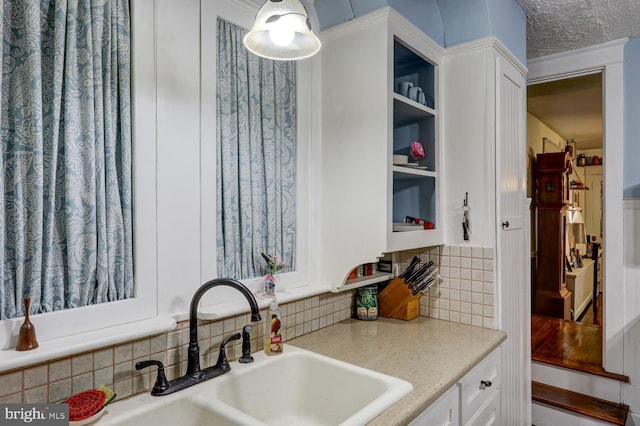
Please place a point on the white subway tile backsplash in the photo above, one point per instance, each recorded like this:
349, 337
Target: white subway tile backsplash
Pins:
487, 311
103, 358
122, 353
488, 323
476, 263
454, 294
466, 293
476, 320
487, 252
123, 389
476, 299
36, 395
60, 370
82, 383
454, 284
35, 376
103, 376
487, 299
10, 383
60, 390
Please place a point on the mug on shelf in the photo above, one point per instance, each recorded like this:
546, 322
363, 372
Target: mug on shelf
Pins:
405, 87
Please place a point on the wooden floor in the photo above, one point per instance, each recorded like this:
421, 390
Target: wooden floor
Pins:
570, 344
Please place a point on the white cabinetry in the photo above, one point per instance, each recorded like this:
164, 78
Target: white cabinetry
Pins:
365, 121
479, 392
444, 412
485, 94
473, 401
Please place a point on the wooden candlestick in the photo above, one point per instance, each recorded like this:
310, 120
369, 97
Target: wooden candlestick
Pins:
27, 337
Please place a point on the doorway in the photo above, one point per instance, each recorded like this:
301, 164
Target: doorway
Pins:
567, 114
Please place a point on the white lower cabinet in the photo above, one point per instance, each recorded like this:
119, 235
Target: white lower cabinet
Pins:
444, 412
473, 401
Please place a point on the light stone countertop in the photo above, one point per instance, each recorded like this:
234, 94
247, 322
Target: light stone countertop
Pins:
431, 354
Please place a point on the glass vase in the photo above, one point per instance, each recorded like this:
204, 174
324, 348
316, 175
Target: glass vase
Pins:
269, 285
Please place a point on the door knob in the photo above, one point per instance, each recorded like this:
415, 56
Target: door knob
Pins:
505, 225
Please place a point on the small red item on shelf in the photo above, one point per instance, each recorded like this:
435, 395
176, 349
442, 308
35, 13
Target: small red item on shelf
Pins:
425, 223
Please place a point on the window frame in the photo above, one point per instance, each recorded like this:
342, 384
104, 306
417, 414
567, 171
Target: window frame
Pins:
242, 13
173, 253
58, 324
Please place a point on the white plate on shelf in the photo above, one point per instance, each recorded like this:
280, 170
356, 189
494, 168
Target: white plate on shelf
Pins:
412, 165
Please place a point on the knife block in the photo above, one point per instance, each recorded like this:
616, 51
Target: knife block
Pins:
397, 301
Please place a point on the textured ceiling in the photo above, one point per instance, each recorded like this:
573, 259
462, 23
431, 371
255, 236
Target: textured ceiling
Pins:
555, 26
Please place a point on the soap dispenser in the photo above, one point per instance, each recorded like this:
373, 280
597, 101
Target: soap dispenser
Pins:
273, 343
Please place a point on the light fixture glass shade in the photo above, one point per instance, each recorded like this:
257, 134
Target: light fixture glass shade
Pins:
575, 227
282, 31
574, 215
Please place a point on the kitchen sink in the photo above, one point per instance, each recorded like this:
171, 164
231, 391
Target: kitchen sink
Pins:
298, 387
303, 388
177, 411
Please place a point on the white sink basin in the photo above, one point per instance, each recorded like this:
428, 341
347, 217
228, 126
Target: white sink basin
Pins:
296, 388
303, 388
177, 411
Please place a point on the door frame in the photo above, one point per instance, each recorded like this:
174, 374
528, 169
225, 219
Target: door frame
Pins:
607, 58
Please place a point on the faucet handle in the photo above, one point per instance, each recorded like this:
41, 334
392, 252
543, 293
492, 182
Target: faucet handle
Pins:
161, 383
222, 356
246, 345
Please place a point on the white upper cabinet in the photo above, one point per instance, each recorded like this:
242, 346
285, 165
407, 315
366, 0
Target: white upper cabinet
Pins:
369, 117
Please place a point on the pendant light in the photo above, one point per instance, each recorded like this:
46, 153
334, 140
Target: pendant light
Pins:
282, 31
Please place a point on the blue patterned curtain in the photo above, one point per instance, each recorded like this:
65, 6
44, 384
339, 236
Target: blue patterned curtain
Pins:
256, 158
65, 215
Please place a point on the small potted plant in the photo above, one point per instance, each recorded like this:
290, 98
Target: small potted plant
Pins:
274, 264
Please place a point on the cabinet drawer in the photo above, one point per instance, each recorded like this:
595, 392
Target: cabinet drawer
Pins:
443, 412
475, 386
488, 414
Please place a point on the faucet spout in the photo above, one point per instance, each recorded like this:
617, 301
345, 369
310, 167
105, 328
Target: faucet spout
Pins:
193, 359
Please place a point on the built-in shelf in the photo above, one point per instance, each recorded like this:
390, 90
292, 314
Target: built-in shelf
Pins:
402, 172
378, 277
409, 111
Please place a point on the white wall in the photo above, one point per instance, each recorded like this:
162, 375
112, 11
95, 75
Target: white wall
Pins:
536, 131
631, 262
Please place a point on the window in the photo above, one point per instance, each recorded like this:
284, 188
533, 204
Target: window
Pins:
256, 157
66, 157
76, 105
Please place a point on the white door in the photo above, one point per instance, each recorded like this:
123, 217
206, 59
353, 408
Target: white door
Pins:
512, 242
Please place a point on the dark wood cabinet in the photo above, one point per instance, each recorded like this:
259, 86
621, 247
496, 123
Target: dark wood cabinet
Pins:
551, 297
